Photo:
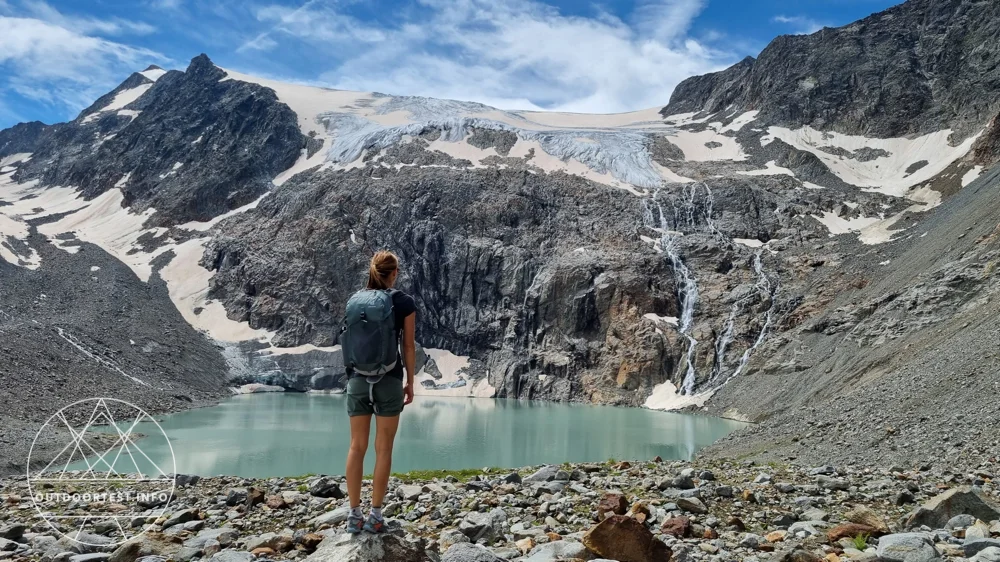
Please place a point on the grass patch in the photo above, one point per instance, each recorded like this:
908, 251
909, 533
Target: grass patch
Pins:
861, 541
462, 475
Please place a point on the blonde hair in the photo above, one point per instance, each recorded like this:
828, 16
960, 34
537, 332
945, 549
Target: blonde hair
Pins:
382, 265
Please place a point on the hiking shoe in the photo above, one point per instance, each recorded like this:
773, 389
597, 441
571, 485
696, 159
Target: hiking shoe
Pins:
355, 524
373, 525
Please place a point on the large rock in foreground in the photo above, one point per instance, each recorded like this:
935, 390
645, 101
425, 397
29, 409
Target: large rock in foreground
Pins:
959, 501
627, 540
368, 548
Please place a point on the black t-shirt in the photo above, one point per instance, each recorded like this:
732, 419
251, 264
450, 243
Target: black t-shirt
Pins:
402, 306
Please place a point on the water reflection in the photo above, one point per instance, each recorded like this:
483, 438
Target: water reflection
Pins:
292, 434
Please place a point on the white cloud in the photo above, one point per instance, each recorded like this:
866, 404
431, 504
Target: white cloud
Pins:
508, 53
61, 60
801, 25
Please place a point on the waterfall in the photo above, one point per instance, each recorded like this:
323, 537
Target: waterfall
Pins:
684, 281
766, 290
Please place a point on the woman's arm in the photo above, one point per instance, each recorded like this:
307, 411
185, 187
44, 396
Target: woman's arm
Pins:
409, 354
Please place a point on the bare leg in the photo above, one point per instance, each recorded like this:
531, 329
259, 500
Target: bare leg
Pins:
360, 428
385, 435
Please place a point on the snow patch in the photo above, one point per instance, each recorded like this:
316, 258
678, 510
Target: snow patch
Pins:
666, 397
770, 169
750, 242
671, 320
15, 158
450, 366
884, 174
972, 175
153, 74
741, 121
187, 284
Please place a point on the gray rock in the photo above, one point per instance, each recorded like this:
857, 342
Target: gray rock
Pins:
409, 493
334, 517
557, 550
907, 547
325, 487
223, 535
958, 501
231, 556
467, 552
990, 554
367, 548
93, 557
693, 505
12, 531
960, 521
974, 547
483, 526
544, 474
236, 496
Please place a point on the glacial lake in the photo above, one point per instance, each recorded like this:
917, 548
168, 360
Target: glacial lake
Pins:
290, 434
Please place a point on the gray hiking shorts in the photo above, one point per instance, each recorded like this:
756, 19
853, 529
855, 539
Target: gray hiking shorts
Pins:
384, 398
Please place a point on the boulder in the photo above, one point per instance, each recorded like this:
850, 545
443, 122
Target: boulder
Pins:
693, 505
991, 554
958, 501
974, 547
236, 496
626, 540
231, 556
468, 552
483, 526
223, 535
907, 547
324, 487
849, 531
679, 527
544, 474
865, 516
612, 503
12, 531
409, 493
180, 517
365, 547
334, 517
558, 550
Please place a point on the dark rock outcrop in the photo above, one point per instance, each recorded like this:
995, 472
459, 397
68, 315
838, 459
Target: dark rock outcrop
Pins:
919, 67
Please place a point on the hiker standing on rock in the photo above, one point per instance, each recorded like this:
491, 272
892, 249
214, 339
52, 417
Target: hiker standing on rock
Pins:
377, 320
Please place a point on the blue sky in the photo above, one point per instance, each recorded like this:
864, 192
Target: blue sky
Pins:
56, 57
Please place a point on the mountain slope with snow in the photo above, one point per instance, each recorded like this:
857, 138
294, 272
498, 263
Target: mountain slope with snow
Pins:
672, 258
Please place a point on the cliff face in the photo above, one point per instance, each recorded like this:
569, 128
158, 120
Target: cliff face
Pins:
922, 66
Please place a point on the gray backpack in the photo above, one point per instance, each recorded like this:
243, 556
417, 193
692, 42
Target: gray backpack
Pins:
368, 336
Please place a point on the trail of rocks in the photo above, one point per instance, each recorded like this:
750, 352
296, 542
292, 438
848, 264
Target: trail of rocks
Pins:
628, 511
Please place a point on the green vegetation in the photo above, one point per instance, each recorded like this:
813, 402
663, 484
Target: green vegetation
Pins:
861, 541
462, 475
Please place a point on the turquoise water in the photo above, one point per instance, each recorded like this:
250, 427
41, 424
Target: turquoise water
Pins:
286, 434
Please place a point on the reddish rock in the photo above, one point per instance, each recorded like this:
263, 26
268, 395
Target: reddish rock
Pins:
657, 458
615, 504
276, 502
850, 530
710, 534
738, 523
626, 540
679, 527
311, 540
624, 465
553, 536
262, 551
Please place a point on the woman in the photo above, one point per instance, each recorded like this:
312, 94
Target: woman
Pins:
385, 399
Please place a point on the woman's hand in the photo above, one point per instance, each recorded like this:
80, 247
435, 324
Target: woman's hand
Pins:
408, 393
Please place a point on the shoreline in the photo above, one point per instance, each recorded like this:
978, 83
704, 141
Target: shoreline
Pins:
711, 510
